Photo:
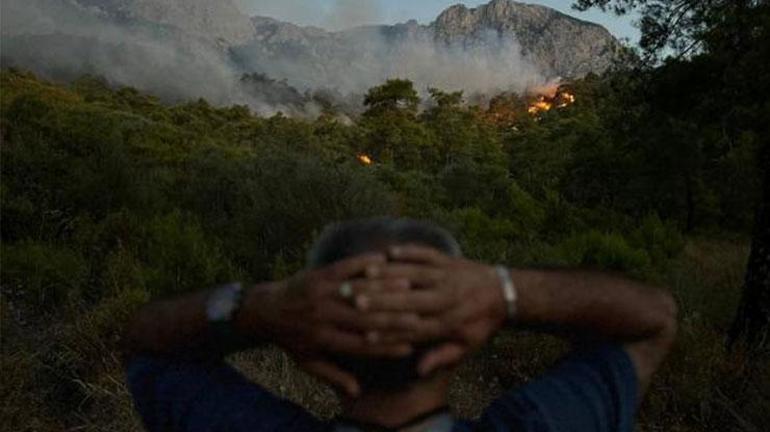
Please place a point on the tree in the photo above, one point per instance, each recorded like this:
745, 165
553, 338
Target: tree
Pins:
734, 36
392, 130
678, 25
395, 95
752, 322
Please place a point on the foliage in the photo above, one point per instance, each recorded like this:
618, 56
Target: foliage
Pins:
44, 275
110, 198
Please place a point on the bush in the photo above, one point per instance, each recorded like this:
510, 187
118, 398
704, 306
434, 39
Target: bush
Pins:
603, 251
179, 257
44, 275
661, 240
481, 236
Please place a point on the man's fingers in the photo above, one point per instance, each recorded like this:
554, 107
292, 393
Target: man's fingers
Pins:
418, 254
343, 342
448, 354
348, 318
355, 266
424, 330
334, 376
386, 327
416, 301
390, 321
362, 286
419, 275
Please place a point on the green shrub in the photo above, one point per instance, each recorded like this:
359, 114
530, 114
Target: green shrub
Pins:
471, 183
417, 191
44, 275
180, 257
524, 211
661, 240
481, 236
274, 203
560, 218
603, 251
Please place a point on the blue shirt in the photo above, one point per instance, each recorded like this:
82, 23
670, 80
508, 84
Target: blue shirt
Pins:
589, 391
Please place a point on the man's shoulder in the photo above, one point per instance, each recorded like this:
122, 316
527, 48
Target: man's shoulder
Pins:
589, 390
197, 396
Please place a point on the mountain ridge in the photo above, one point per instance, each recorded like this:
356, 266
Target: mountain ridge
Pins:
182, 49
559, 44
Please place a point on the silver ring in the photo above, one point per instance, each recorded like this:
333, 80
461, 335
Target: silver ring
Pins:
346, 290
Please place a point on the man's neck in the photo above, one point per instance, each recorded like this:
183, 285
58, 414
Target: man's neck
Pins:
394, 409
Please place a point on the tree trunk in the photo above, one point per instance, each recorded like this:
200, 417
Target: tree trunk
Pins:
751, 326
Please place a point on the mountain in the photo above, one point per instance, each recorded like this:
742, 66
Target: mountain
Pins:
183, 49
557, 43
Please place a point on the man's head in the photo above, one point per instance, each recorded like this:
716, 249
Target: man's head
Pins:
346, 239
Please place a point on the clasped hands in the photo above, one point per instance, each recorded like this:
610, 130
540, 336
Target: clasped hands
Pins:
393, 301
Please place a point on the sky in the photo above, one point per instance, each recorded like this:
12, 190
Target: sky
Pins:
337, 14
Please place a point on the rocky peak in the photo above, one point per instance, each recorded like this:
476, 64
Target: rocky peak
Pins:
267, 29
559, 44
216, 19
456, 19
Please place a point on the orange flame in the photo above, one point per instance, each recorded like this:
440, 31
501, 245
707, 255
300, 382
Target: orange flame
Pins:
567, 98
364, 159
540, 105
504, 111
560, 99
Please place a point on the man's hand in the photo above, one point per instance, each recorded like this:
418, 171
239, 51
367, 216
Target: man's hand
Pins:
458, 300
307, 316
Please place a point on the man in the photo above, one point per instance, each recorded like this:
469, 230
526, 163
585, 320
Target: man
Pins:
385, 311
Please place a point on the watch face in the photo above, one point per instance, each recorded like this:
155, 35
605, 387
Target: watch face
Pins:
223, 302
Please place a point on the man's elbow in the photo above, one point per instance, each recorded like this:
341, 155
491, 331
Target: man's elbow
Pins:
666, 319
648, 354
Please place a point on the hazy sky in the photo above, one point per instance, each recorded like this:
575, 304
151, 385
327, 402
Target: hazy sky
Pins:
337, 14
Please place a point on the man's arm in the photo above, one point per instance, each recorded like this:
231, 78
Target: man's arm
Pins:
178, 326
304, 315
466, 301
641, 317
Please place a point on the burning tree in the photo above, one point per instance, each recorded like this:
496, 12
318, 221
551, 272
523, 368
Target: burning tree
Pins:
560, 99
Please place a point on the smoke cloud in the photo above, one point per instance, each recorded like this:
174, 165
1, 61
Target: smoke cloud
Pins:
63, 40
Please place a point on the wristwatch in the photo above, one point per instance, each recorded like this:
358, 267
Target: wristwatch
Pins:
224, 302
221, 306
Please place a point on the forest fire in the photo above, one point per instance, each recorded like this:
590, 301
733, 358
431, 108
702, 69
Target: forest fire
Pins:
364, 159
545, 103
505, 110
540, 105
567, 99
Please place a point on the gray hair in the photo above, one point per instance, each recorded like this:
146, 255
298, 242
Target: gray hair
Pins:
345, 239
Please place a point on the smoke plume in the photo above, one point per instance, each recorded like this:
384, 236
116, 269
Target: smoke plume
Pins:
63, 39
